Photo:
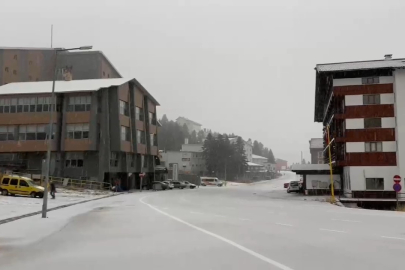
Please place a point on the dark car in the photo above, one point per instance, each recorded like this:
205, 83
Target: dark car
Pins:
178, 184
157, 185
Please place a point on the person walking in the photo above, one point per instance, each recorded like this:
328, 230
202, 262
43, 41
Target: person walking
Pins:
52, 189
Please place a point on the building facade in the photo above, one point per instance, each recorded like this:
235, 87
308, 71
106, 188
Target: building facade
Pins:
316, 150
103, 129
361, 102
281, 164
191, 125
36, 64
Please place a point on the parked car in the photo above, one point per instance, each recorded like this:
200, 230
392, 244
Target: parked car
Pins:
189, 185
157, 185
286, 185
178, 184
211, 181
169, 184
293, 187
20, 185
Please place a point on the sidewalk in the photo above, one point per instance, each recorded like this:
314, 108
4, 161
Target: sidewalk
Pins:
13, 206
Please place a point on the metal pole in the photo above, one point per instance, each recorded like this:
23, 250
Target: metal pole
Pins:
225, 169
48, 154
332, 189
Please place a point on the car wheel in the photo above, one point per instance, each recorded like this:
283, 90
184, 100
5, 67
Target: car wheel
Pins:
288, 191
41, 195
4, 192
33, 194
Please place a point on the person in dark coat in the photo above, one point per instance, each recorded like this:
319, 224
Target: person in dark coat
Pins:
53, 189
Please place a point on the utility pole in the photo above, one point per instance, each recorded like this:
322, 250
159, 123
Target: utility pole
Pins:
301, 157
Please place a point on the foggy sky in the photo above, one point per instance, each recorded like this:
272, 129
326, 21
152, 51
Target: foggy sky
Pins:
241, 66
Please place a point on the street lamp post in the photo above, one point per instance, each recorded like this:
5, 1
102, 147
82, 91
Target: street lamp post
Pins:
50, 131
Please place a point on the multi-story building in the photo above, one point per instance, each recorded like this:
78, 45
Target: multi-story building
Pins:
361, 102
36, 64
264, 162
103, 128
316, 150
191, 125
189, 159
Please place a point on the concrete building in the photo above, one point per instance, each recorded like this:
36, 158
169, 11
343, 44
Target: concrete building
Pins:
191, 125
264, 162
103, 128
281, 164
36, 64
189, 159
362, 102
316, 150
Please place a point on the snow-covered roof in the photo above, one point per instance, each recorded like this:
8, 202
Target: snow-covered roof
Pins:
316, 143
254, 164
65, 86
359, 65
258, 157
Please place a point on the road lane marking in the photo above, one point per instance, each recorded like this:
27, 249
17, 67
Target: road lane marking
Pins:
390, 237
329, 230
284, 224
223, 239
346, 220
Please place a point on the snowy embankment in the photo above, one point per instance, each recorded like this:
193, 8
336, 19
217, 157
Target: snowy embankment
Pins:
13, 206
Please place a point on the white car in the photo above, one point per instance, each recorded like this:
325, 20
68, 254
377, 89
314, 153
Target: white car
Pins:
294, 186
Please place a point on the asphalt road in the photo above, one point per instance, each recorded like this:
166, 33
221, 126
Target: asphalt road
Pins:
256, 226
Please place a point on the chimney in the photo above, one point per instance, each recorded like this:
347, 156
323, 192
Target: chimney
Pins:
388, 57
186, 141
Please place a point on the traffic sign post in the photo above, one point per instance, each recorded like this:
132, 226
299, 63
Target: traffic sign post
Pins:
141, 175
397, 186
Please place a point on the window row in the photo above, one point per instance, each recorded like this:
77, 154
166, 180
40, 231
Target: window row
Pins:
370, 80
373, 147
77, 131
74, 159
79, 104
371, 99
25, 132
33, 104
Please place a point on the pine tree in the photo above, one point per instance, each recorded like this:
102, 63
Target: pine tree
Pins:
271, 158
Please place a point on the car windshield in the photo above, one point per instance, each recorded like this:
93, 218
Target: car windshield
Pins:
32, 183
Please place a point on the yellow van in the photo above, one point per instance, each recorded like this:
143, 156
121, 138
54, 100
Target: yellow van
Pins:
20, 185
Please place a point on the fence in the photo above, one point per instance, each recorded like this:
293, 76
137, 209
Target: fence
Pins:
77, 183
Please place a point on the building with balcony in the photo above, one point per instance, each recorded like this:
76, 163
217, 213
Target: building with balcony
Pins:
102, 129
361, 102
316, 149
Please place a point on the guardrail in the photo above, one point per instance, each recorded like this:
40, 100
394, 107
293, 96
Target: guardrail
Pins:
77, 183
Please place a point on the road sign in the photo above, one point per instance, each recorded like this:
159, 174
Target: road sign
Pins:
397, 179
397, 187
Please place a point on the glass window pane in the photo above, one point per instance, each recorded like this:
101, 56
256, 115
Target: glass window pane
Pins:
7, 101
83, 100
31, 128
13, 101
33, 101
77, 135
88, 100
379, 147
23, 129
3, 129
70, 127
85, 127
77, 100
40, 128
1, 102
21, 101
40, 100
71, 100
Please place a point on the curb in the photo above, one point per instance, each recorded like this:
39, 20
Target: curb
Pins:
7, 220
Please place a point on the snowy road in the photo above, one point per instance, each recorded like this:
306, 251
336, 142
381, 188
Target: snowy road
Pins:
256, 226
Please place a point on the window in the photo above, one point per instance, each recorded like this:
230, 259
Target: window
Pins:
79, 104
15, 57
140, 137
74, 159
77, 131
153, 140
32, 103
373, 146
114, 159
34, 132
320, 154
372, 122
152, 118
124, 108
125, 134
370, 80
7, 133
138, 114
23, 183
14, 182
6, 69
13, 106
371, 99
375, 183
6, 181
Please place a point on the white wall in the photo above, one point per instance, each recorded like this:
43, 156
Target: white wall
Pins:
359, 174
388, 122
387, 98
356, 123
355, 147
389, 146
353, 100
322, 181
358, 81
399, 91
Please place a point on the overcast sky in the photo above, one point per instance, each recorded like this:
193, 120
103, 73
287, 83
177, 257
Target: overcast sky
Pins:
241, 66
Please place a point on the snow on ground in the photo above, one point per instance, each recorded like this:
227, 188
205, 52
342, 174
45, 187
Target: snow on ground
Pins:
12, 206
